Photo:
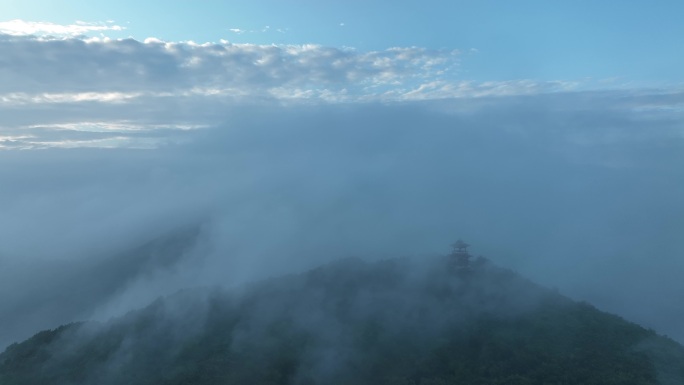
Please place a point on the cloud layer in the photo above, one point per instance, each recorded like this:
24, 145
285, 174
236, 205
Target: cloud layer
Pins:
75, 66
90, 92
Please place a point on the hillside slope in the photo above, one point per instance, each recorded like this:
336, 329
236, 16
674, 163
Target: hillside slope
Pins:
399, 321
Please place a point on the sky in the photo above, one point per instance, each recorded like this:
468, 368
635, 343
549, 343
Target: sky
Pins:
147, 147
635, 41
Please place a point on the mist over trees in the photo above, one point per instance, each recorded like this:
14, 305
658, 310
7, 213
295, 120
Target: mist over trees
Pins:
575, 192
295, 188
398, 321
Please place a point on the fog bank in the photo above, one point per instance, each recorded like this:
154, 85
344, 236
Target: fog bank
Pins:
579, 191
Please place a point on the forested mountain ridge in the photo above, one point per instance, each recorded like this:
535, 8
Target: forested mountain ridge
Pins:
399, 321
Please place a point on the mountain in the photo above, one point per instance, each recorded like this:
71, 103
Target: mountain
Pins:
60, 296
399, 322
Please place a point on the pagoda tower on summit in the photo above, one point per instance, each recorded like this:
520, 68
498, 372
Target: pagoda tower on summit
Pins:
460, 254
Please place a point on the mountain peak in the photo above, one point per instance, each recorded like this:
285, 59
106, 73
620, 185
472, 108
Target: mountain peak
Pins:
396, 321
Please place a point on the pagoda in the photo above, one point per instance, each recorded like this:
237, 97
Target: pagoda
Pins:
460, 254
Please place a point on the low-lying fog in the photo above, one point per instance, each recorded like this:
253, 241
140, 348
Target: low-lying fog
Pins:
578, 191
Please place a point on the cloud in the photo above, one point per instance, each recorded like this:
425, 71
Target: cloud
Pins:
74, 65
19, 27
78, 81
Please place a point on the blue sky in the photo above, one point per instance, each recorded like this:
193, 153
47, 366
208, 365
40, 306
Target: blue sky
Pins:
637, 42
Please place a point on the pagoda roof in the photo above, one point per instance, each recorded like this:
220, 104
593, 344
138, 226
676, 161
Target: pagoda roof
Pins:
460, 244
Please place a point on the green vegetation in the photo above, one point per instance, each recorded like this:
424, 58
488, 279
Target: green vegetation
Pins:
396, 322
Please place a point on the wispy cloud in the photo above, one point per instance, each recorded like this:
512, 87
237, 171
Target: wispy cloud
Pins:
264, 29
22, 98
19, 27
